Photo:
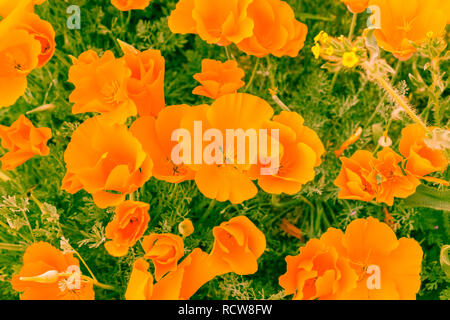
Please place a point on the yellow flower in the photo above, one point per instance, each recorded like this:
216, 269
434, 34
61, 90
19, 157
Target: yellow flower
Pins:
316, 51
186, 228
329, 51
350, 59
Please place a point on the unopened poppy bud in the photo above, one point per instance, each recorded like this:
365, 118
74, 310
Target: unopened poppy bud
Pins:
186, 228
47, 277
42, 108
385, 141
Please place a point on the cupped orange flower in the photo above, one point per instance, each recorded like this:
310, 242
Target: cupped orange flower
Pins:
218, 79
238, 244
390, 178
216, 22
421, 159
388, 268
101, 86
301, 152
404, 22
46, 273
126, 5
318, 272
353, 180
164, 250
146, 84
356, 6
140, 285
276, 30
226, 176
107, 161
19, 55
127, 228
24, 141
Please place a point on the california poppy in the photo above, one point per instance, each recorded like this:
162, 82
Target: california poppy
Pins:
126, 5
146, 84
217, 22
24, 141
106, 160
218, 79
404, 22
421, 159
46, 273
238, 244
164, 250
155, 136
129, 224
101, 85
356, 6
276, 30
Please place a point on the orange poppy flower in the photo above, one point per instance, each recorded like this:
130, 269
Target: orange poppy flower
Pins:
390, 179
155, 136
192, 273
146, 84
301, 152
107, 161
356, 6
276, 30
101, 86
369, 242
45, 275
218, 79
230, 112
421, 159
364, 263
126, 5
405, 21
216, 22
24, 141
238, 244
353, 180
127, 228
318, 272
164, 250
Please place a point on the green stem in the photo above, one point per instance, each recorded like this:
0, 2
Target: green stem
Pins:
352, 26
255, 68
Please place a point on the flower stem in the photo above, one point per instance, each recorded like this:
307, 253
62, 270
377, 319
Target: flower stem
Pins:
255, 68
401, 101
352, 26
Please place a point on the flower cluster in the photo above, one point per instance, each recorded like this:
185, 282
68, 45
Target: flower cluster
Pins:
390, 175
257, 27
367, 262
26, 42
238, 244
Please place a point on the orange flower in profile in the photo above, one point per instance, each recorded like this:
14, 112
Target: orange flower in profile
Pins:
388, 268
356, 6
276, 30
24, 141
238, 244
318, 272
46, 275
155, 136
218, 79
146, 84
107, 161
226, 177
127, 228
404, 22
126, 5
353, 180
164, 250
140, 285
101, 86
216, 22
301, 152
390, 179
421, 159
367, 262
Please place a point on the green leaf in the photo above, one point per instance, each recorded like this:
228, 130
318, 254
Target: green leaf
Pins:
428, 197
